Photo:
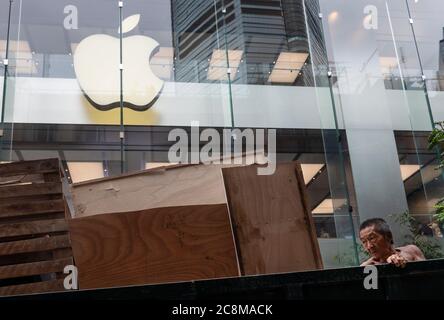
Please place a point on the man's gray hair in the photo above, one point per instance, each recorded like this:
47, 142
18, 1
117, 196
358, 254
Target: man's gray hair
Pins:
381, 227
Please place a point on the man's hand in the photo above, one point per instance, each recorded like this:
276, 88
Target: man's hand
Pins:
397, 260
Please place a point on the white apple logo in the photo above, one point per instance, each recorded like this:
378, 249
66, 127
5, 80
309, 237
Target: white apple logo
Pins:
96, 64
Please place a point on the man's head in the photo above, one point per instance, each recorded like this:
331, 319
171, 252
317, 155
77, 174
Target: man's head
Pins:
376, 237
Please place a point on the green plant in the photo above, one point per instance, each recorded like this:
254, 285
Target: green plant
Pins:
348, 258
436, 142
428, 245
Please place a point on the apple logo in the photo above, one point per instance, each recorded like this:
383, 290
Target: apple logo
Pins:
96, 64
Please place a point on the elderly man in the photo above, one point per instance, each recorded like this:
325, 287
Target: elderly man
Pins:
377, 239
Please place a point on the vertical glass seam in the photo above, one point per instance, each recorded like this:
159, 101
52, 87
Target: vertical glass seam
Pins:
338, 136
122, 128
341, 156
426, 93
2, 120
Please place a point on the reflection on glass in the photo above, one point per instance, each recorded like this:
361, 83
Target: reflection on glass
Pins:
428, 25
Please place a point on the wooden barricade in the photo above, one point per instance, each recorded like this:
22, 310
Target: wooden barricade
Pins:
160, 225
34, 239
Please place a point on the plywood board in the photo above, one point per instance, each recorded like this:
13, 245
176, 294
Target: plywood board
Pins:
156, 188
154, 246
273, 228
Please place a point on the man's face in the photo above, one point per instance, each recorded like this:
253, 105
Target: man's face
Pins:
374, 243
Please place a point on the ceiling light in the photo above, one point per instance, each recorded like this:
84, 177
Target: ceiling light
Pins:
22, 60
310, 170
387, 64
218, 64
325, 207
287, 67
332, 17
408, 170
84, 171
162, 62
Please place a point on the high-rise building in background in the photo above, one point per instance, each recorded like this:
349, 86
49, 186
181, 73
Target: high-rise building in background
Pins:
441, 63
264, 41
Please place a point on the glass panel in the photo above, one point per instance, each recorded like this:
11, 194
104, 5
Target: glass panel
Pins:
201, 66
4, 26
359, 38
280, 81
410, 89
428, 29
425, 227
415, 55
408, 73
378, 78
428, 25
341, 201
71, 78
58, 68
8, 21
189, 62
67, 62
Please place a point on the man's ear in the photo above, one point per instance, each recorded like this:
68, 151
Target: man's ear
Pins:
388, 239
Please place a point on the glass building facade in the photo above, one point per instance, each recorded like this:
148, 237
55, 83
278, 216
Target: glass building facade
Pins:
352, 87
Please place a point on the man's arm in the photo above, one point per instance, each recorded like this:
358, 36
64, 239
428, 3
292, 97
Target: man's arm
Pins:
398, 259
369, 262
412, 253
406, 254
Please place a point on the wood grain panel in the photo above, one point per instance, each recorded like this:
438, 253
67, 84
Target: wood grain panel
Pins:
32, 228
34, 245
29, 167
23, 178
177, 186
15, 200
27, 257
31, 190
52, 177
154, 246
273, 228
30, 288
35, 268
31, 208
